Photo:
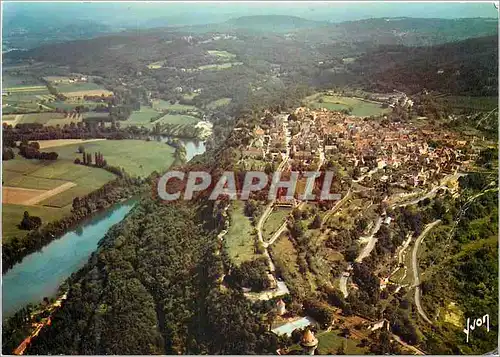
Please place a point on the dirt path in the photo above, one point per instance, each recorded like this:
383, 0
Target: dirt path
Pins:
47, 194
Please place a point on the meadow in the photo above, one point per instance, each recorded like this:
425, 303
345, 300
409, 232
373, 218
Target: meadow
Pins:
218, 103
156, 65
357, 106
67, 180
274, 221
141, 117
222, 54
137, 157
43, 175
13, 81
240, 240
76, 87
219, 66
160, 105
178, 119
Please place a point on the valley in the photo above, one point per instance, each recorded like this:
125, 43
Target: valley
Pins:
402, 112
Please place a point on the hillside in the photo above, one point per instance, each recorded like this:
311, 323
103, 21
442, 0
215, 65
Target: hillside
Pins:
467, 67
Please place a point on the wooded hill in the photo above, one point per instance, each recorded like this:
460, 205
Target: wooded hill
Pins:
467, 67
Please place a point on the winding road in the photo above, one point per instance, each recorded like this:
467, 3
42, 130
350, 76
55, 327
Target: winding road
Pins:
416, 277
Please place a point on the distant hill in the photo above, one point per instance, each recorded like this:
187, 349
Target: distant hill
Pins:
273, 22
27, 31
468, 67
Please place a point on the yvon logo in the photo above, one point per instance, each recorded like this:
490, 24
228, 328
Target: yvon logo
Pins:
476, 323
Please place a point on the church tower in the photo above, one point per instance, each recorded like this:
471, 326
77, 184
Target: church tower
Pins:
309, 342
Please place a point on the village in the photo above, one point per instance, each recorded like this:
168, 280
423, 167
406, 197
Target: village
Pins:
400, 163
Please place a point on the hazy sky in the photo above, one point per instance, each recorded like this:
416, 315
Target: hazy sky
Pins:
129, 13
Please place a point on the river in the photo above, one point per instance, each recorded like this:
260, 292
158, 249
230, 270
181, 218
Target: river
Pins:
41, 273
193, 147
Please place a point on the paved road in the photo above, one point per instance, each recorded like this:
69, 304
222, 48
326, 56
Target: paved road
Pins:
416, 277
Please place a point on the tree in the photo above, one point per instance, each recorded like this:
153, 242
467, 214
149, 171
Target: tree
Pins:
30, 222
8, 154
316, 223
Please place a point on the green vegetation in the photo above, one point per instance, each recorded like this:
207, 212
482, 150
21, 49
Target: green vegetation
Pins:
240, 238
354, 106
465, 283
223, 54
12, 214
189, 96
40, 118
274, 221
10, 81
161, 105
218, 103
178, 119
76, 87
164, 270
42, 175
136, 157
141, 117
219, 66
470, 103
331, 343
156, 65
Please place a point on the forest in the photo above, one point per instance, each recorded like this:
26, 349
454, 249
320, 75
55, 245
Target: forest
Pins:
156, 273
468, 67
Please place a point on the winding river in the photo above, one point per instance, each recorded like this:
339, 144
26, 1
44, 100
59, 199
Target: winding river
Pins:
41, 273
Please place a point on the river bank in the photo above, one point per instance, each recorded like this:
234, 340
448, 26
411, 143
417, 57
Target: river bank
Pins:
40, 274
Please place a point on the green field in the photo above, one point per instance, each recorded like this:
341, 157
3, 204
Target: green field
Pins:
218, 103
141, 117
12, 215
222, 54
26, 89
137, 157
45, 175
71, 105
40, 118
14, 81
219, 66
330, 342
239, 240
337, 103
159, 104
156, 65
189, 96
274, 221
76, 87
178, 119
